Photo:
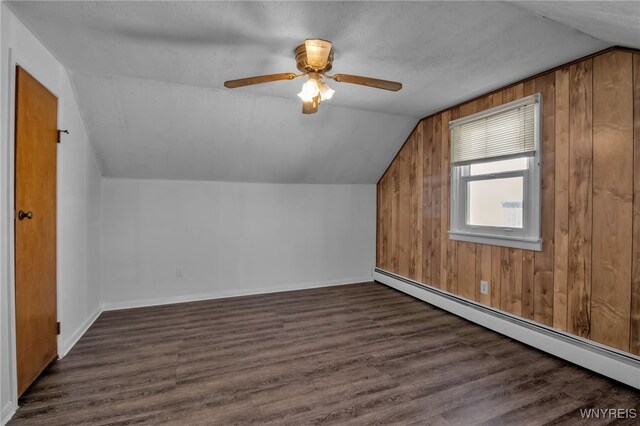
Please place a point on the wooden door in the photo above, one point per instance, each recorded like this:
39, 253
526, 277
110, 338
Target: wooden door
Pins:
35, 228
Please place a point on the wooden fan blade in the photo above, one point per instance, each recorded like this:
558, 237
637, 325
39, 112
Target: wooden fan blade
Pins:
318, 52
394, 86
311, 107
232, 84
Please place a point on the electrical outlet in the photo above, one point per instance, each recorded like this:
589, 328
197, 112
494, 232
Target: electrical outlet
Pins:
484, 287
178, 271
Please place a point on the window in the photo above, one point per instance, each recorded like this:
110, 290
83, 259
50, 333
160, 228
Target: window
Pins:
495, 176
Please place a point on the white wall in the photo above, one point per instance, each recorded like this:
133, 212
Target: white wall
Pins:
78, 201
231, 238
79, 210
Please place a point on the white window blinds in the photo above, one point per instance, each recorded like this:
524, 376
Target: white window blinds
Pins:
505, 131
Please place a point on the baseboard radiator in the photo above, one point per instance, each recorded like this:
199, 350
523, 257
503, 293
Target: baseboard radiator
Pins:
615, 364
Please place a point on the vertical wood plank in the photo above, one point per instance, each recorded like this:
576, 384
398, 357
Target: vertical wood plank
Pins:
612, 198
580, 198
483, 272
404, 236
561, 200
466, 257
409, 167
483, 251
528, 284
395, 215
543, 266
529, 87
466, 252
444, 196
495, 284
450, 273
511, 278
419, 191
484, 103
528, 261
496, 99
505, 275
512, 93
634, 344
386, 221
379, 217
515, 303
438, 174
415, 212
427, 200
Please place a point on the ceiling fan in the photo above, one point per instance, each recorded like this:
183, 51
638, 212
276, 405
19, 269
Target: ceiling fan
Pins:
315, 58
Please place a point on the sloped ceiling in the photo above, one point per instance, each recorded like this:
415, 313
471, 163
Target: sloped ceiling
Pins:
616, 22
149, 77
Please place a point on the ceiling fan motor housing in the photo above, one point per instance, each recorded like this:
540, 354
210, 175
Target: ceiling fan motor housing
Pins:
303, 65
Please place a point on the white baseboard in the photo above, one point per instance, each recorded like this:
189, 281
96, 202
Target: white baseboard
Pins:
7, 412
112, 306
609, 362
65, 347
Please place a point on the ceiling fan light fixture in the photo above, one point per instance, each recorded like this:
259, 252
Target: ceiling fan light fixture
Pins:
326, 92
310, 89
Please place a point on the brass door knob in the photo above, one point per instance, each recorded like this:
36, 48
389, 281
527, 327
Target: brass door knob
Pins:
22, 215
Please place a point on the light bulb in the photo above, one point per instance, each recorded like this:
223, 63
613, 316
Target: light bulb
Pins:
309, 90
326, 92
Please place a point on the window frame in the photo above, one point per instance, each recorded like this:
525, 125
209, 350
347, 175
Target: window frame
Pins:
529, 236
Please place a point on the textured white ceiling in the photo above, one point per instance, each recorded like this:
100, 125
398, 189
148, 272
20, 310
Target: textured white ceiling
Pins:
149, 78
152, 129
616, 22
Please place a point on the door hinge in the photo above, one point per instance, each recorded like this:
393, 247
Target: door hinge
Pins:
59, 134
58, 328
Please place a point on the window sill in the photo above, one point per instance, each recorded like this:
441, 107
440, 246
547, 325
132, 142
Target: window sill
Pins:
496, 240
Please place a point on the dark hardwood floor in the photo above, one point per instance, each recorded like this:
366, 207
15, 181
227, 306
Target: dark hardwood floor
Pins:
357, 354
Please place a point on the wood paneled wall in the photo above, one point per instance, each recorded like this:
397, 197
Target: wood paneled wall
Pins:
586, 280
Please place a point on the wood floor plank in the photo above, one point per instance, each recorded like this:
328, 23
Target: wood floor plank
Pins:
357, 354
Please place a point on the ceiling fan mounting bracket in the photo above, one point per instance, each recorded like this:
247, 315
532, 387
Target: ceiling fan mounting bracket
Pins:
303, 65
